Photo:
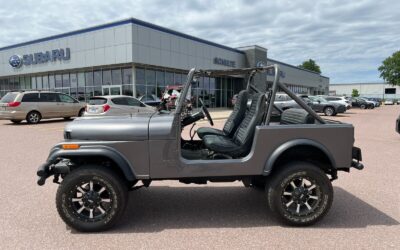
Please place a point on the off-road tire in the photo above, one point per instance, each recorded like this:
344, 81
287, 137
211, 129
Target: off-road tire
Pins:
33, 117
16, 121
318, 183
116, 194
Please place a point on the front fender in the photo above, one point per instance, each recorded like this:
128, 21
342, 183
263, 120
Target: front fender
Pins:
95, 151
290, 144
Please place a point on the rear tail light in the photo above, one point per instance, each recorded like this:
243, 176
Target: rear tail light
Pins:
13, 104
106, 107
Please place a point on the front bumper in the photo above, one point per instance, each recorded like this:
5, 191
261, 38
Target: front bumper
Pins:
341, 109
50, 168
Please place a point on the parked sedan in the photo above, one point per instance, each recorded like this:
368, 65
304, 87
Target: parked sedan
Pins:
360, 103
151, 100
116, 105
318, 104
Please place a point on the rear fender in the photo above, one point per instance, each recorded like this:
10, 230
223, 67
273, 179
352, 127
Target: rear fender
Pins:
269, 165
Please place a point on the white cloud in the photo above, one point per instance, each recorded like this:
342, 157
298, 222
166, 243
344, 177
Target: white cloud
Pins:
349, 39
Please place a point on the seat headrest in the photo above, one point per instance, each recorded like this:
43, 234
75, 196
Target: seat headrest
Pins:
296, 116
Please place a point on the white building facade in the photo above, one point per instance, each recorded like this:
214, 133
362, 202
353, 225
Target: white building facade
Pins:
375, 90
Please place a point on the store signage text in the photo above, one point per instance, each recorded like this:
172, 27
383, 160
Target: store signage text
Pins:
224, 62
17, 61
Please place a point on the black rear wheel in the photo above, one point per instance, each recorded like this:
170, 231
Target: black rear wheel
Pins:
91, 198
300, 194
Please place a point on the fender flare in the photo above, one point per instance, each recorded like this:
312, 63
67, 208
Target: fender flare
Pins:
121, 162
293, 143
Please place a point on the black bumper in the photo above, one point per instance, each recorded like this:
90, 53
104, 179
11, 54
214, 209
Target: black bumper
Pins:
61, 166
357, 157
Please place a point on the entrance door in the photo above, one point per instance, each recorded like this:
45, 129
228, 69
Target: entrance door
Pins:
112, 90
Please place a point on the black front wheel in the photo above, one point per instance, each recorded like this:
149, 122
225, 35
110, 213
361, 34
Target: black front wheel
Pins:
91, 198
300, 194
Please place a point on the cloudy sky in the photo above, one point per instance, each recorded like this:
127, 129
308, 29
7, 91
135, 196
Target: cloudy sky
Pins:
348, 39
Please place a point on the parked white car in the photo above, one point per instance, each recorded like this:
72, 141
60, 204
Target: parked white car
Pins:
116, 105
389, 102
339, 99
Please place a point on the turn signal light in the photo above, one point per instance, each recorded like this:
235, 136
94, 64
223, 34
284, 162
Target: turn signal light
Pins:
106, 107
70, 146
13, 104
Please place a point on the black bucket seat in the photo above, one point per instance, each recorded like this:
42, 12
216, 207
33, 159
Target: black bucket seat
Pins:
233, 121
240, 144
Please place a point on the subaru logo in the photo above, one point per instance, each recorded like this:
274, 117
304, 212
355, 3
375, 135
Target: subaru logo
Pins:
15, 61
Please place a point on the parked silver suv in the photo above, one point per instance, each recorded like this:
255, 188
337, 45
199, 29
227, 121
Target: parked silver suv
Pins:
33, 106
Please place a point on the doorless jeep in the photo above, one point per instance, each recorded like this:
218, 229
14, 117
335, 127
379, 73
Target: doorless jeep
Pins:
293, 154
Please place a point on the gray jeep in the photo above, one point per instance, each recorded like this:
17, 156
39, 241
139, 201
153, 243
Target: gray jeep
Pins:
293, 154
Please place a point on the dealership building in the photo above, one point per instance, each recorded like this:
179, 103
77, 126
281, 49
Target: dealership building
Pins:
133, 57
369, 89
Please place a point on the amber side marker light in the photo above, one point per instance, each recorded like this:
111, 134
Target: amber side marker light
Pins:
70, 146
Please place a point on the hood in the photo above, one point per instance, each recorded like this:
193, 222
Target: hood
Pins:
133, 127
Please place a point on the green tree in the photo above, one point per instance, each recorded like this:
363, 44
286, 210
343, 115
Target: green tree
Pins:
355, 93
390, 69
310, 65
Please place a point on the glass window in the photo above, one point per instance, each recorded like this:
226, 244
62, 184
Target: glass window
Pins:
45, 82
127, 76
28, 82
97, 78
33, 83
81, 79
65, 98
74, 80
150, 77
116, 77
52, 83
178, 78
89, 78
65, 80
39, 82
127, 90
169, 78
140, 77
140, 90
21, 82
97, 101
58, 81
10, 97
107, 77
16, 83
30, 97
150, 90
160, 78
48, 97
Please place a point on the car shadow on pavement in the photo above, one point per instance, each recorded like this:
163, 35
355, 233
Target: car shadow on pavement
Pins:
159, 208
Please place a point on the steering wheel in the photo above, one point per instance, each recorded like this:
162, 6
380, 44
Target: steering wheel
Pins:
205, 112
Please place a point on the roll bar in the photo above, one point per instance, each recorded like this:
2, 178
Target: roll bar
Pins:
251, 72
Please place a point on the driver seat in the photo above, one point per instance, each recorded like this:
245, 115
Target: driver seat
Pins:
233, 122
240, 144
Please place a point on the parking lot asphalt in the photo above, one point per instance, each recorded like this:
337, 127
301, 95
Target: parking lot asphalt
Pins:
365, 213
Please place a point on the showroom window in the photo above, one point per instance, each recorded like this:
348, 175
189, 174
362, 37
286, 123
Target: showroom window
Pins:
45, 81
116, 76
65, 79
52, 83
58, 82
106, 77
127, 76
97, 78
